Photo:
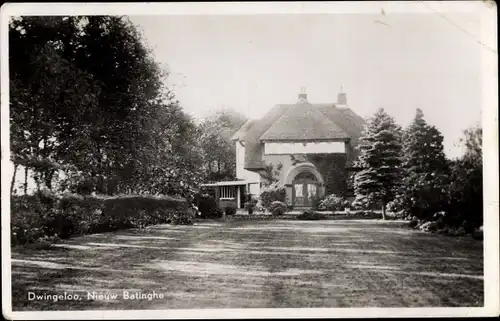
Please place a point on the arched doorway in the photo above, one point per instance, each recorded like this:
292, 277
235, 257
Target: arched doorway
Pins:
305, 189
303, 182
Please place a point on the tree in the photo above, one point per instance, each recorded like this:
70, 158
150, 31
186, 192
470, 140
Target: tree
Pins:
426, 168
379, 161
270, 175
47, 92
218, 149
88, 98
465, 191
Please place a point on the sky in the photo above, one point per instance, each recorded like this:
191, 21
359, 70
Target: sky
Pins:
400, 62
396, 61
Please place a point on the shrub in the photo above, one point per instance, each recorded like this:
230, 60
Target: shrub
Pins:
315, 203
250, 203
332, 203
258, 207
270, 195
207, 205
182, 218
230, 210
366, 215
311, 215
396, 205
216, 213
277, 208
478, 233
413, 222
44, 215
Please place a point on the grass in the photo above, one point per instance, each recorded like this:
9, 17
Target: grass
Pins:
254, 264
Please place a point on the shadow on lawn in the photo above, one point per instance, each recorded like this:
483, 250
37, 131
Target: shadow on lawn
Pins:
254, 265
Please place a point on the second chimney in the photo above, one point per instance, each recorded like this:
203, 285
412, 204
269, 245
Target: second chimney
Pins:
342, 97
303, 95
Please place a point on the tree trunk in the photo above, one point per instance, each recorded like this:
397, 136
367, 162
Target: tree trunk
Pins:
13, 180
383, 210
25, 180
37, 181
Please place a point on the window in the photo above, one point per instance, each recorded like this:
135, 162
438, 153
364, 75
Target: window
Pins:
227, 192
311, 190
298, 190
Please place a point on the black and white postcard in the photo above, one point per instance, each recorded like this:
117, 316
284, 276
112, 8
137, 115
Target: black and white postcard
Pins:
249, 160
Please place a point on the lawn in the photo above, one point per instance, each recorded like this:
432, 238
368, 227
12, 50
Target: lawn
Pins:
253, 264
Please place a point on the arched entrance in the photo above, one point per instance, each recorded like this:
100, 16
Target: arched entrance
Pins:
306, 183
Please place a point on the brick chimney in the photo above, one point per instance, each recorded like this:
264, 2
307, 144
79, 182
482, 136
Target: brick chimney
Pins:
342, 97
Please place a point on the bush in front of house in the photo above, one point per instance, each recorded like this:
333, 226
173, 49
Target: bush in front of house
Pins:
215, 213
47, 215
270, 195
259, 208
250, 203
207, 205
310, 215
230, 210
277, 208
316, 202
366, 215
333, 202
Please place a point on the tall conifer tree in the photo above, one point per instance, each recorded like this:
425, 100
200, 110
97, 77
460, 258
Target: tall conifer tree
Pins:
426, 168
379, 161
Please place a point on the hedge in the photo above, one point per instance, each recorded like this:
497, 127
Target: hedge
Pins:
270, 195
310, 215
46, 215
207, 205
278, 208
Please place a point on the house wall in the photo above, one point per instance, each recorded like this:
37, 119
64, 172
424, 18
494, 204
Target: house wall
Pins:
331, 165
223, 203
304, 148
242, 173
332, 168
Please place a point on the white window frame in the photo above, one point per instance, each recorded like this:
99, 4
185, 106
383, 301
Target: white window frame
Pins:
227, 193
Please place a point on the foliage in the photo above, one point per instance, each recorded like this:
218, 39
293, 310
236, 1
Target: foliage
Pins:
230, 210
396, 205
316, 202
426, 168
379, 160
271, 175
333, 203
460, 210
465, 192
218, 149
45, 214
270, 195
250, 203
277, 208
86, 92
207, 205
310, 215
364, 215
259, 207
182, 218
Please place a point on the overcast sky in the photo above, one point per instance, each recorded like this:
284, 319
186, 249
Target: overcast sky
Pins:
250, 63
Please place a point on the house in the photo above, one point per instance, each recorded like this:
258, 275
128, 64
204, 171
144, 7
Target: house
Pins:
308, 148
